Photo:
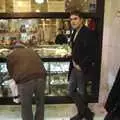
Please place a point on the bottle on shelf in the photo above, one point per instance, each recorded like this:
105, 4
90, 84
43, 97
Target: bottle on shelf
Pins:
92, 5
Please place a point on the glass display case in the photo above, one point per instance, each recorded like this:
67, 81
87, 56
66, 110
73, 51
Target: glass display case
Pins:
56, 83
40, 34
37, 26
57, 78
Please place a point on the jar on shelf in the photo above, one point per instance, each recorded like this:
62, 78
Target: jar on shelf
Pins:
92, 5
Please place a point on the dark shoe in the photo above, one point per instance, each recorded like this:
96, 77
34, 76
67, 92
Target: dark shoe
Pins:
76, 117
89, 115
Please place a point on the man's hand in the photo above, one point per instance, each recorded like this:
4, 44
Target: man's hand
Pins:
76, 66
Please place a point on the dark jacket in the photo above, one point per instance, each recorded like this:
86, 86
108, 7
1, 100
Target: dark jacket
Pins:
84, 49
61, 39
24, 64
114, 95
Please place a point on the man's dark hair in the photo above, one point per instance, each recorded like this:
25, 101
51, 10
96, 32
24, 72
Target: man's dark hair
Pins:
76, 12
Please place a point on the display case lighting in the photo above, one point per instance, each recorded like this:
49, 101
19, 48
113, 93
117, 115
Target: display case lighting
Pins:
37, 10
39, 1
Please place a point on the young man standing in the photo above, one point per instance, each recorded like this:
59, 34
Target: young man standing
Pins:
83, 49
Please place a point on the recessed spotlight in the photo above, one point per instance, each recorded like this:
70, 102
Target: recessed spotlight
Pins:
37, 10
39, 1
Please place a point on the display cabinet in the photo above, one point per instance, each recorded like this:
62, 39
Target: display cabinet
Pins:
57, 78
56, 82
38, 30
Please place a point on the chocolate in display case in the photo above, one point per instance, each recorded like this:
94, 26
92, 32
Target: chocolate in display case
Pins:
45, 51
53, 51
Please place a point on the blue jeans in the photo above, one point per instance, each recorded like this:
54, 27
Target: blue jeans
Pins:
26, 91
77, 90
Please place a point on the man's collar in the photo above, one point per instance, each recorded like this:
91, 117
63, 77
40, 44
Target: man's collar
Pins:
77, 30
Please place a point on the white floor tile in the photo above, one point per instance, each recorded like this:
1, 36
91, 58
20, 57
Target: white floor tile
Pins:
52, 112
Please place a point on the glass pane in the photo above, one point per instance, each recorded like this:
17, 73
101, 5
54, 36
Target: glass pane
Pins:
47, 5
34, 32
82, 5
43, 35
56, 83
40, 34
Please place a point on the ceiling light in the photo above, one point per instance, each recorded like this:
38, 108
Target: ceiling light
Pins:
39, 1
37, 10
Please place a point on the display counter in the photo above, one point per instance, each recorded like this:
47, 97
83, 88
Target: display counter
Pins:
40, 35
56, 60
44, 51
41, 28
56, 83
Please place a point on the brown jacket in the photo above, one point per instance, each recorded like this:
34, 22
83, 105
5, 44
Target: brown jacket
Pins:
24, 64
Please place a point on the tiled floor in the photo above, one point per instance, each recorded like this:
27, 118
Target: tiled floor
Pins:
52, 112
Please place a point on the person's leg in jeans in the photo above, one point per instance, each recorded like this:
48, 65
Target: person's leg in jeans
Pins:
80, 79
81, 88
26, 91
77, 91
74, 91
39, 96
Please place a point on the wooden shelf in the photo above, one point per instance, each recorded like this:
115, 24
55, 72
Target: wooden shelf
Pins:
43, 15
9, 33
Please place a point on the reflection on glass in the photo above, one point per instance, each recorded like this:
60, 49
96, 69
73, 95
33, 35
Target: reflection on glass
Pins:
82, 5
47, 5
